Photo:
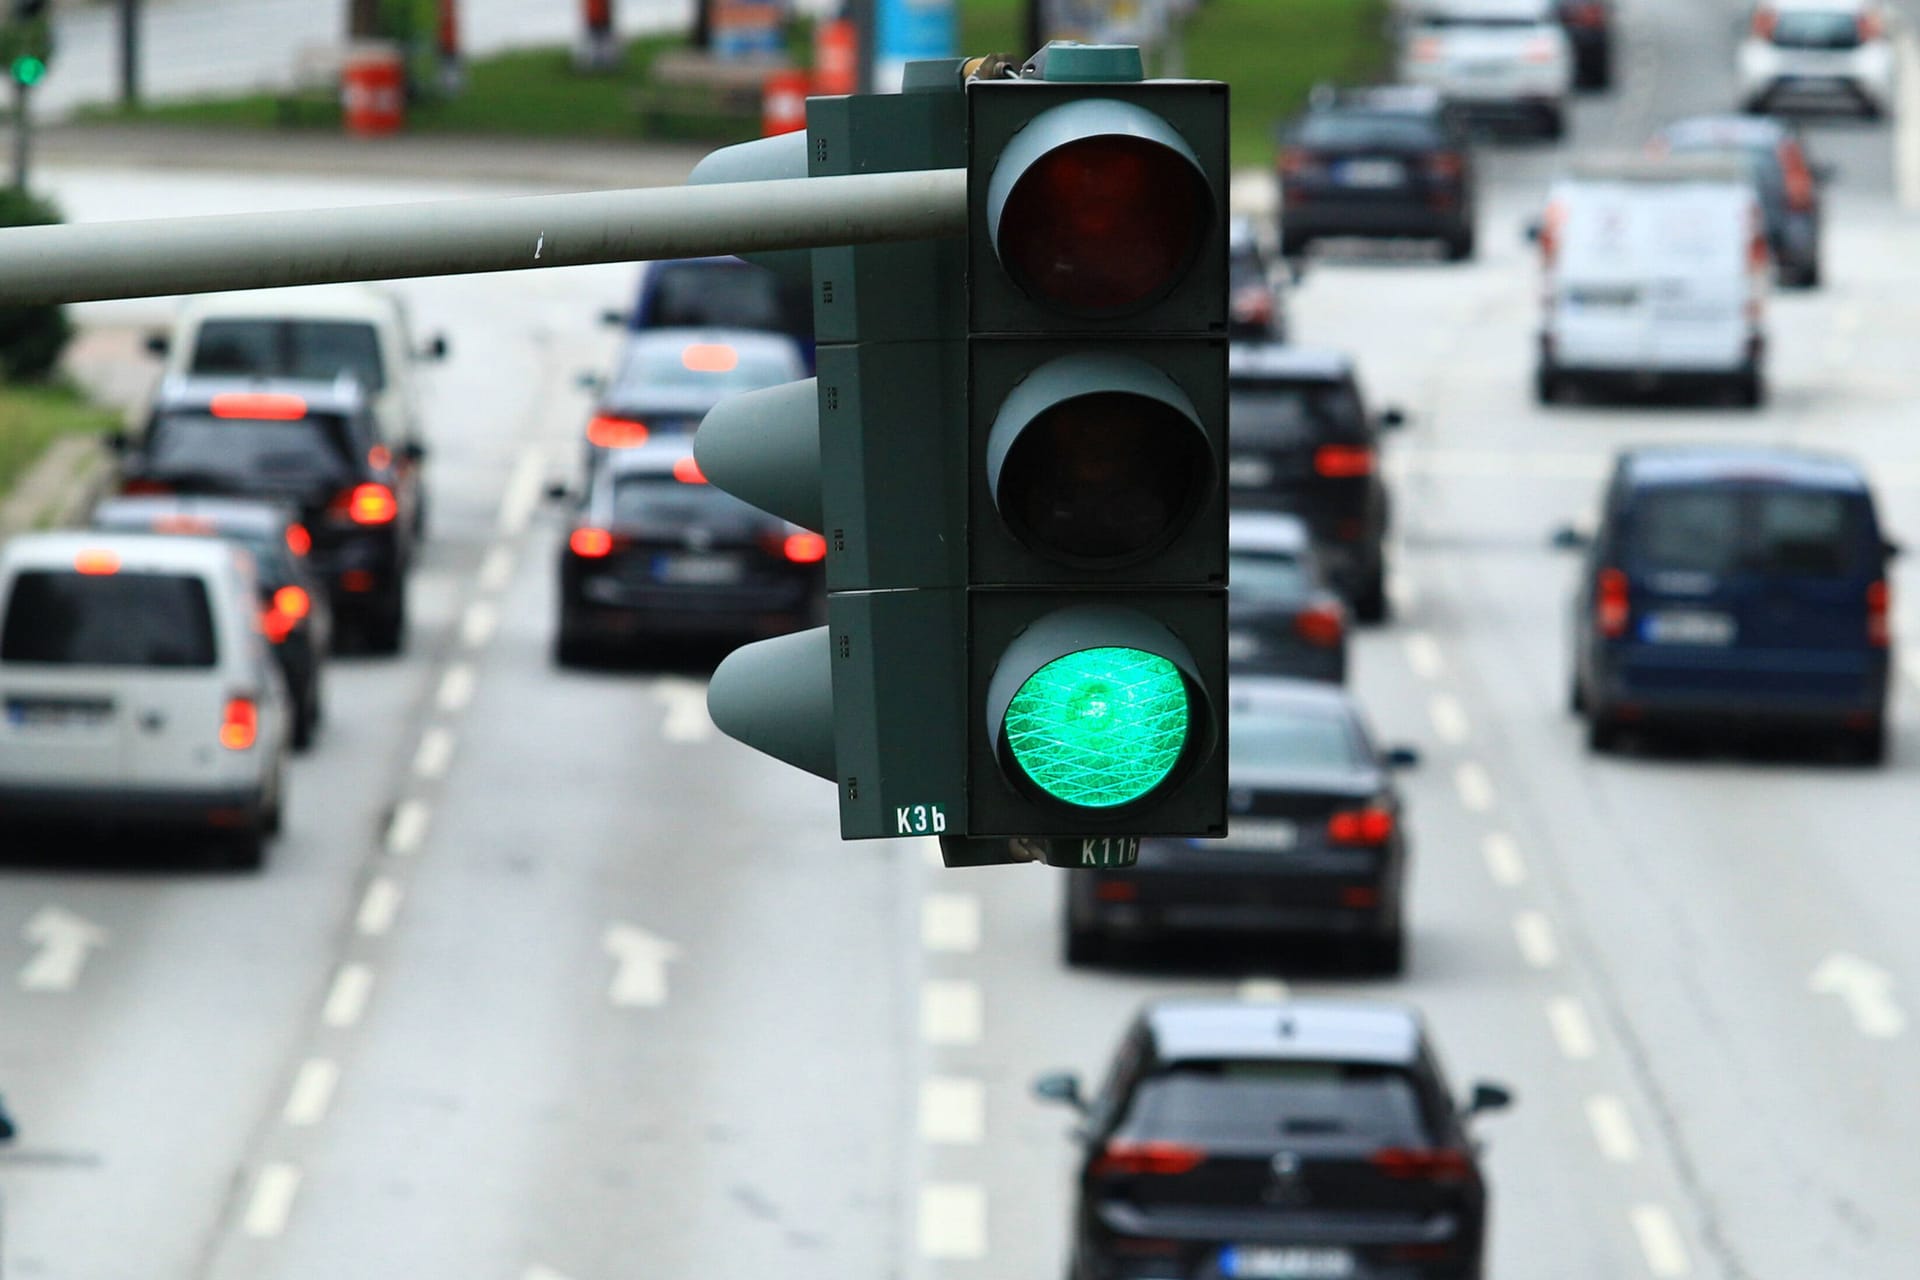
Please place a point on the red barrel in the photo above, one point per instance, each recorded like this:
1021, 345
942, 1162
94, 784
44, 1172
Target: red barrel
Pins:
836, 53
373, 89
783, 104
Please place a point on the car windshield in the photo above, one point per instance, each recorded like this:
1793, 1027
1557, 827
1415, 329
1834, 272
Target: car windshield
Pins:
717, 367
301, 451
1314, 739
313, 349
689, 295
1293, 414
1339, 131
1726, 530
1816, 29
108, 620
1235, 1103
657, 501
1266, 576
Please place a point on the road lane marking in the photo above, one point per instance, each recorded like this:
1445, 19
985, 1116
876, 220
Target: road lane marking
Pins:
686, 705
1261, 989
538, 1272
1534, 932
1906, 127
1660, 1241
953, 1110
1612, 1128
1424, 656
408, 829
347, 997
497, 569
477, 624
378, 906
640, 962
1403, 594
456, 688
953, 1222
312, 1092
1474, 786
272, 1201
434, 753
950, 1011
1504, 862
1571, 1030
950, 922
522, 495
1449, 719
62, 941
1865, 989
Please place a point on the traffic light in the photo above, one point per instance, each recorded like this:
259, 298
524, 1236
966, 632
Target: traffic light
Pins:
27, 38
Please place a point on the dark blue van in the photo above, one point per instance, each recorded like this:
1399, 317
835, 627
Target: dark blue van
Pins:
1734, 587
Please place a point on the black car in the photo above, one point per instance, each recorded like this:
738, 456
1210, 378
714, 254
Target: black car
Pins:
1379, 163
655, 551
316, 446
1788, 182
1589, 28
1274, 1140
294, 613
1316, 845
1256, 303
1282, 618
720, 293
1304, 442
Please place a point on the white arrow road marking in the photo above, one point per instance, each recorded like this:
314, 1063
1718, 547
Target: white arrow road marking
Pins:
686, 704
63, 939
640, 965
1866, 990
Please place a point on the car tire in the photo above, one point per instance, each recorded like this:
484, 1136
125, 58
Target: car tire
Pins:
1382, 956
1576, 696
387, 628
1553, 124
1294, 246
1596, 73
1750, 390
306, 714
1371, 605
1808, 277
1083, 948
1603, 733
1548, 387
570, 650
1460, 246
244, 850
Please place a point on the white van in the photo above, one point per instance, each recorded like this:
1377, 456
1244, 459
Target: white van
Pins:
1656, 271
136, 688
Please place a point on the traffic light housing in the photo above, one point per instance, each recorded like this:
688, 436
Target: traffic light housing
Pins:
26, 41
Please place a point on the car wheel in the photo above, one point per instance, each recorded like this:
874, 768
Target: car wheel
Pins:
1597, 74
1371, 605
1293, 246
1808, 277
1603, 734
1750, 390
1553, 124
244, 850
306, 715
1576, 696
387, 629
1083, 948
570, 650
1548, 386
1460, 246
1383, 956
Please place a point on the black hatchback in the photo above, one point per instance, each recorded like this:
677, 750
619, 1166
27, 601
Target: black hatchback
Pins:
1277, 1140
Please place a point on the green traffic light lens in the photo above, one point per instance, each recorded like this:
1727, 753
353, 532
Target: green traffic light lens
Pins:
28, 70
1100, 727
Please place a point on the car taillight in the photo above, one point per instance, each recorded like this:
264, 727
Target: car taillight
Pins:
1122, 1158
1765, 22
299, 541
1252, 304
1424, 49
687, 471
1611, 604
1870, 25
1423, 1165
1550, 224
1369, 826
1116, 891
589, 543
1584, 15
1446, 165
804, 548
367, 504
133, 487
275, 625
239, 723
1321, 626
292, 601
612, 432
1343, 461
1879, 624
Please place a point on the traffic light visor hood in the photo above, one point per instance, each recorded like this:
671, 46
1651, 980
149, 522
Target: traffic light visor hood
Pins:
1098, 207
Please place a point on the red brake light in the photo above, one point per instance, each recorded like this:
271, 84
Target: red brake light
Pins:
239, 724
299, 541
379, 457
1764, 23
1611, 604
293, 602
1424, 1165
1343, 461
259, 406
1871, 25
1879, 613
1446, 165
610, 432
275, 625
1321, 626
1550, 224
135, 487
96, 563
1122, 1158
1252, 305
805, 548
366, 504
687, 471
1116, 891
1585, 15
1369, 826
710, 357
589, 543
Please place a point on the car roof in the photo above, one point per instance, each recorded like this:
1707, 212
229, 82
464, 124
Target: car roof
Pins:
1272, 532
307, 302
241, 516
146, 552
1306, 1030
1272, 361
342, 395
1726, 131
1707, 464
1279, 694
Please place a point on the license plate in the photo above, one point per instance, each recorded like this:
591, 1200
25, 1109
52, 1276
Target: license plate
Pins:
1371, 173
697, 571
1244, 472
1687, 626
1602, 296
1269, 835
58, 713
1267, 1262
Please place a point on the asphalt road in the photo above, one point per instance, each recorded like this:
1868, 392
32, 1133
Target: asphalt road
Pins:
548, 980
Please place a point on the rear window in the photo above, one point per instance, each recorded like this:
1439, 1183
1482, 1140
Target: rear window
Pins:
690, 296
662, 500
1725, 530
719, 368
1280, 414
266, 348
1263, 738
1269, 575
108, 620
1339, 131
304, 450
1814, 29
1234, 1103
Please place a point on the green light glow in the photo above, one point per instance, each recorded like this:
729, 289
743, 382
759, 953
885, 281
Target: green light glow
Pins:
28, 69
1100, 727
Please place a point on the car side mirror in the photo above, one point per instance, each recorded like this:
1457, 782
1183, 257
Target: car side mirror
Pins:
558, 492
1489, 1097
436, 349
1532, 231
1401, 757
589, 381
614, 319
1568, 538
1062, 1087
413, 451
1393, 418
157, 344
7, 1130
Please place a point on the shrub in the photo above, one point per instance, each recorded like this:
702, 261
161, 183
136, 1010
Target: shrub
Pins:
31, 338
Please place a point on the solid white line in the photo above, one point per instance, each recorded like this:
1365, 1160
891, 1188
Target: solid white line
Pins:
378, 906
950, 1011
1449, 719
1612, 1128
1504, 862
497, 569
408, 830
430, 760
272, 1201
456, 688
1906, 127
686, 703
953, 1110
1474, 786
312, 1092
477, 624
1424, 656
1660, 1241
1261, 989
1534, 932
347, 998
950, 922
953, 1221
522, 495
1571, 1030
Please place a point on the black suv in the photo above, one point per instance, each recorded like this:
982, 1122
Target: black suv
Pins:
1304, 442
316, 445
1252, 1140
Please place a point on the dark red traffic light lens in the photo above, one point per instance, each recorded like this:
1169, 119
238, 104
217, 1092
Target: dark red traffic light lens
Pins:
1103, 225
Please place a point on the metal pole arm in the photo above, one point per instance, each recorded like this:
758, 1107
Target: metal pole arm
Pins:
89, 261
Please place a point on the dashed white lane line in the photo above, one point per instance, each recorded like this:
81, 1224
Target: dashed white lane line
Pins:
1910, 662
408, 830
1449, 719
686, 706
477, 624
434, 753
1474, 786
347, 997
1571, 1030
953, 1222
378, 906
522, 495
1424, 656
456, 688
1261, 989
1504, 862
1534, 933
1660, 1241
312, 1092
537, 1272
953, 1110
497, 569
1612, 1128
1401, 592
272, 1201
950, 922
950, 1012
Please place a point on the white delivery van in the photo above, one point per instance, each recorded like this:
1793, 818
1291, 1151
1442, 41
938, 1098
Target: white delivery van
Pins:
136, 688
1656, 273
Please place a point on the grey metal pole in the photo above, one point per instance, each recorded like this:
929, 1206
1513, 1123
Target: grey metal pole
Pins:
89, 261
22, 134
129, 53
866, 29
